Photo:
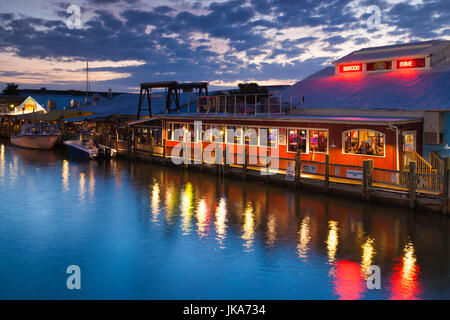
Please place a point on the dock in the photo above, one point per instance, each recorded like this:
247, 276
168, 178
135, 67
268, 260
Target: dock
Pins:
399, 188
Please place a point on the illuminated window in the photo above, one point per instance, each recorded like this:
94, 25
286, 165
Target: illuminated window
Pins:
169, 131
380, 65
206, 133
157, 136
251, 136
268, 137
297, 137
367, 142
218, 134
142, 136
189, 133
234, 135
178, 132
318, 141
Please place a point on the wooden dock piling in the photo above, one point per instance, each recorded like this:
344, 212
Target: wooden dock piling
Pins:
446, 189
298, 169
367, 178
412, 184
327, 173
244, 165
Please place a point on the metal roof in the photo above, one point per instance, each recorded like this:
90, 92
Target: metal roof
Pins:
287, 118
417, 90
408, 50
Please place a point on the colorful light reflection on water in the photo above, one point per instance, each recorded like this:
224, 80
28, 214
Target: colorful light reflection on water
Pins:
141, 231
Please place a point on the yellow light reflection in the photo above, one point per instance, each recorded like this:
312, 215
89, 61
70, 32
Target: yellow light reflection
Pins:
82, 184
304, 238
202, 218
65, 175
249, 227
170, 203
221, 222
368, 251
2, 161
91, 183
409, 263
186, 208
405, 283
155, 202
332, 240
271, 229
14, 169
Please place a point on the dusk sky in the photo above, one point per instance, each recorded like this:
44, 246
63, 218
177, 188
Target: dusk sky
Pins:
223, 42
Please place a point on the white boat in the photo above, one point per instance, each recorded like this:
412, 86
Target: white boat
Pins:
85, 147
37, 136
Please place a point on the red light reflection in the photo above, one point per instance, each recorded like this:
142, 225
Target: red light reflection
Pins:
404, 281
348, 282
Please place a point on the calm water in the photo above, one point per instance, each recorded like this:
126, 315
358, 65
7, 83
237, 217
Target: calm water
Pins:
139, 231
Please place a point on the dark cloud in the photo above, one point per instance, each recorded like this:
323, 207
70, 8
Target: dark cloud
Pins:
421, 20
120, 31
106, 2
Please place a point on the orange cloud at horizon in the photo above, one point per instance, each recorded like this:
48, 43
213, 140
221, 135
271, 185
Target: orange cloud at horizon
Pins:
52, 71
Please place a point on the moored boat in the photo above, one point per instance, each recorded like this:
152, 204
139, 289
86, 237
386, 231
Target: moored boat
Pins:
86, 148
37, 136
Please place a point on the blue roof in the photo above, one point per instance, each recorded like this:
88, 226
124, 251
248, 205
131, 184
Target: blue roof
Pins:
293, 117
425, 48
127, 105
395, 90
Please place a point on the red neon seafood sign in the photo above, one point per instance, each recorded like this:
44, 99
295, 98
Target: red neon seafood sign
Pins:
411, 63
350, 68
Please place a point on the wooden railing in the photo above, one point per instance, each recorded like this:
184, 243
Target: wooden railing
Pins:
437, 163
422, 165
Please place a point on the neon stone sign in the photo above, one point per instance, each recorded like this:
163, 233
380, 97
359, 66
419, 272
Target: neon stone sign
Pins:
411, 63
350, 68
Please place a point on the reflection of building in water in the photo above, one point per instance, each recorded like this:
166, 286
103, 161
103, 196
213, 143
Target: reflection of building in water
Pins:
404, 281
91, 181
368, 251
249, 226
14, 168
187, 199
155, 201
171, 203
82, 187
221, 220
65, 175
202, 218
348, 281
332, 240
2, 161
271, 229
304, 238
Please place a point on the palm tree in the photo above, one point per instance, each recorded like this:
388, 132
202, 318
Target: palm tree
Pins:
11, 89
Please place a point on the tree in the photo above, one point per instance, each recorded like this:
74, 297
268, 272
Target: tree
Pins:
11, 89
251, 89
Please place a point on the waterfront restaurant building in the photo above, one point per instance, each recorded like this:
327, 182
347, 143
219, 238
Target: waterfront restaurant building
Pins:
387, 104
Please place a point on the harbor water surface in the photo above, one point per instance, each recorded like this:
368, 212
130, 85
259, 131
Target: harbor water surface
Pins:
142, 231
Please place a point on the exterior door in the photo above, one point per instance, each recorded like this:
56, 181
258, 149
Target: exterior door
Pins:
409, 141
409, 147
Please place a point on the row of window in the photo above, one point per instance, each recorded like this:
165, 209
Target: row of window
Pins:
361, 141
145, 136
228, 134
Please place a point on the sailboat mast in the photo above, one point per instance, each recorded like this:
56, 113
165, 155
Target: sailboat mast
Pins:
87, 78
